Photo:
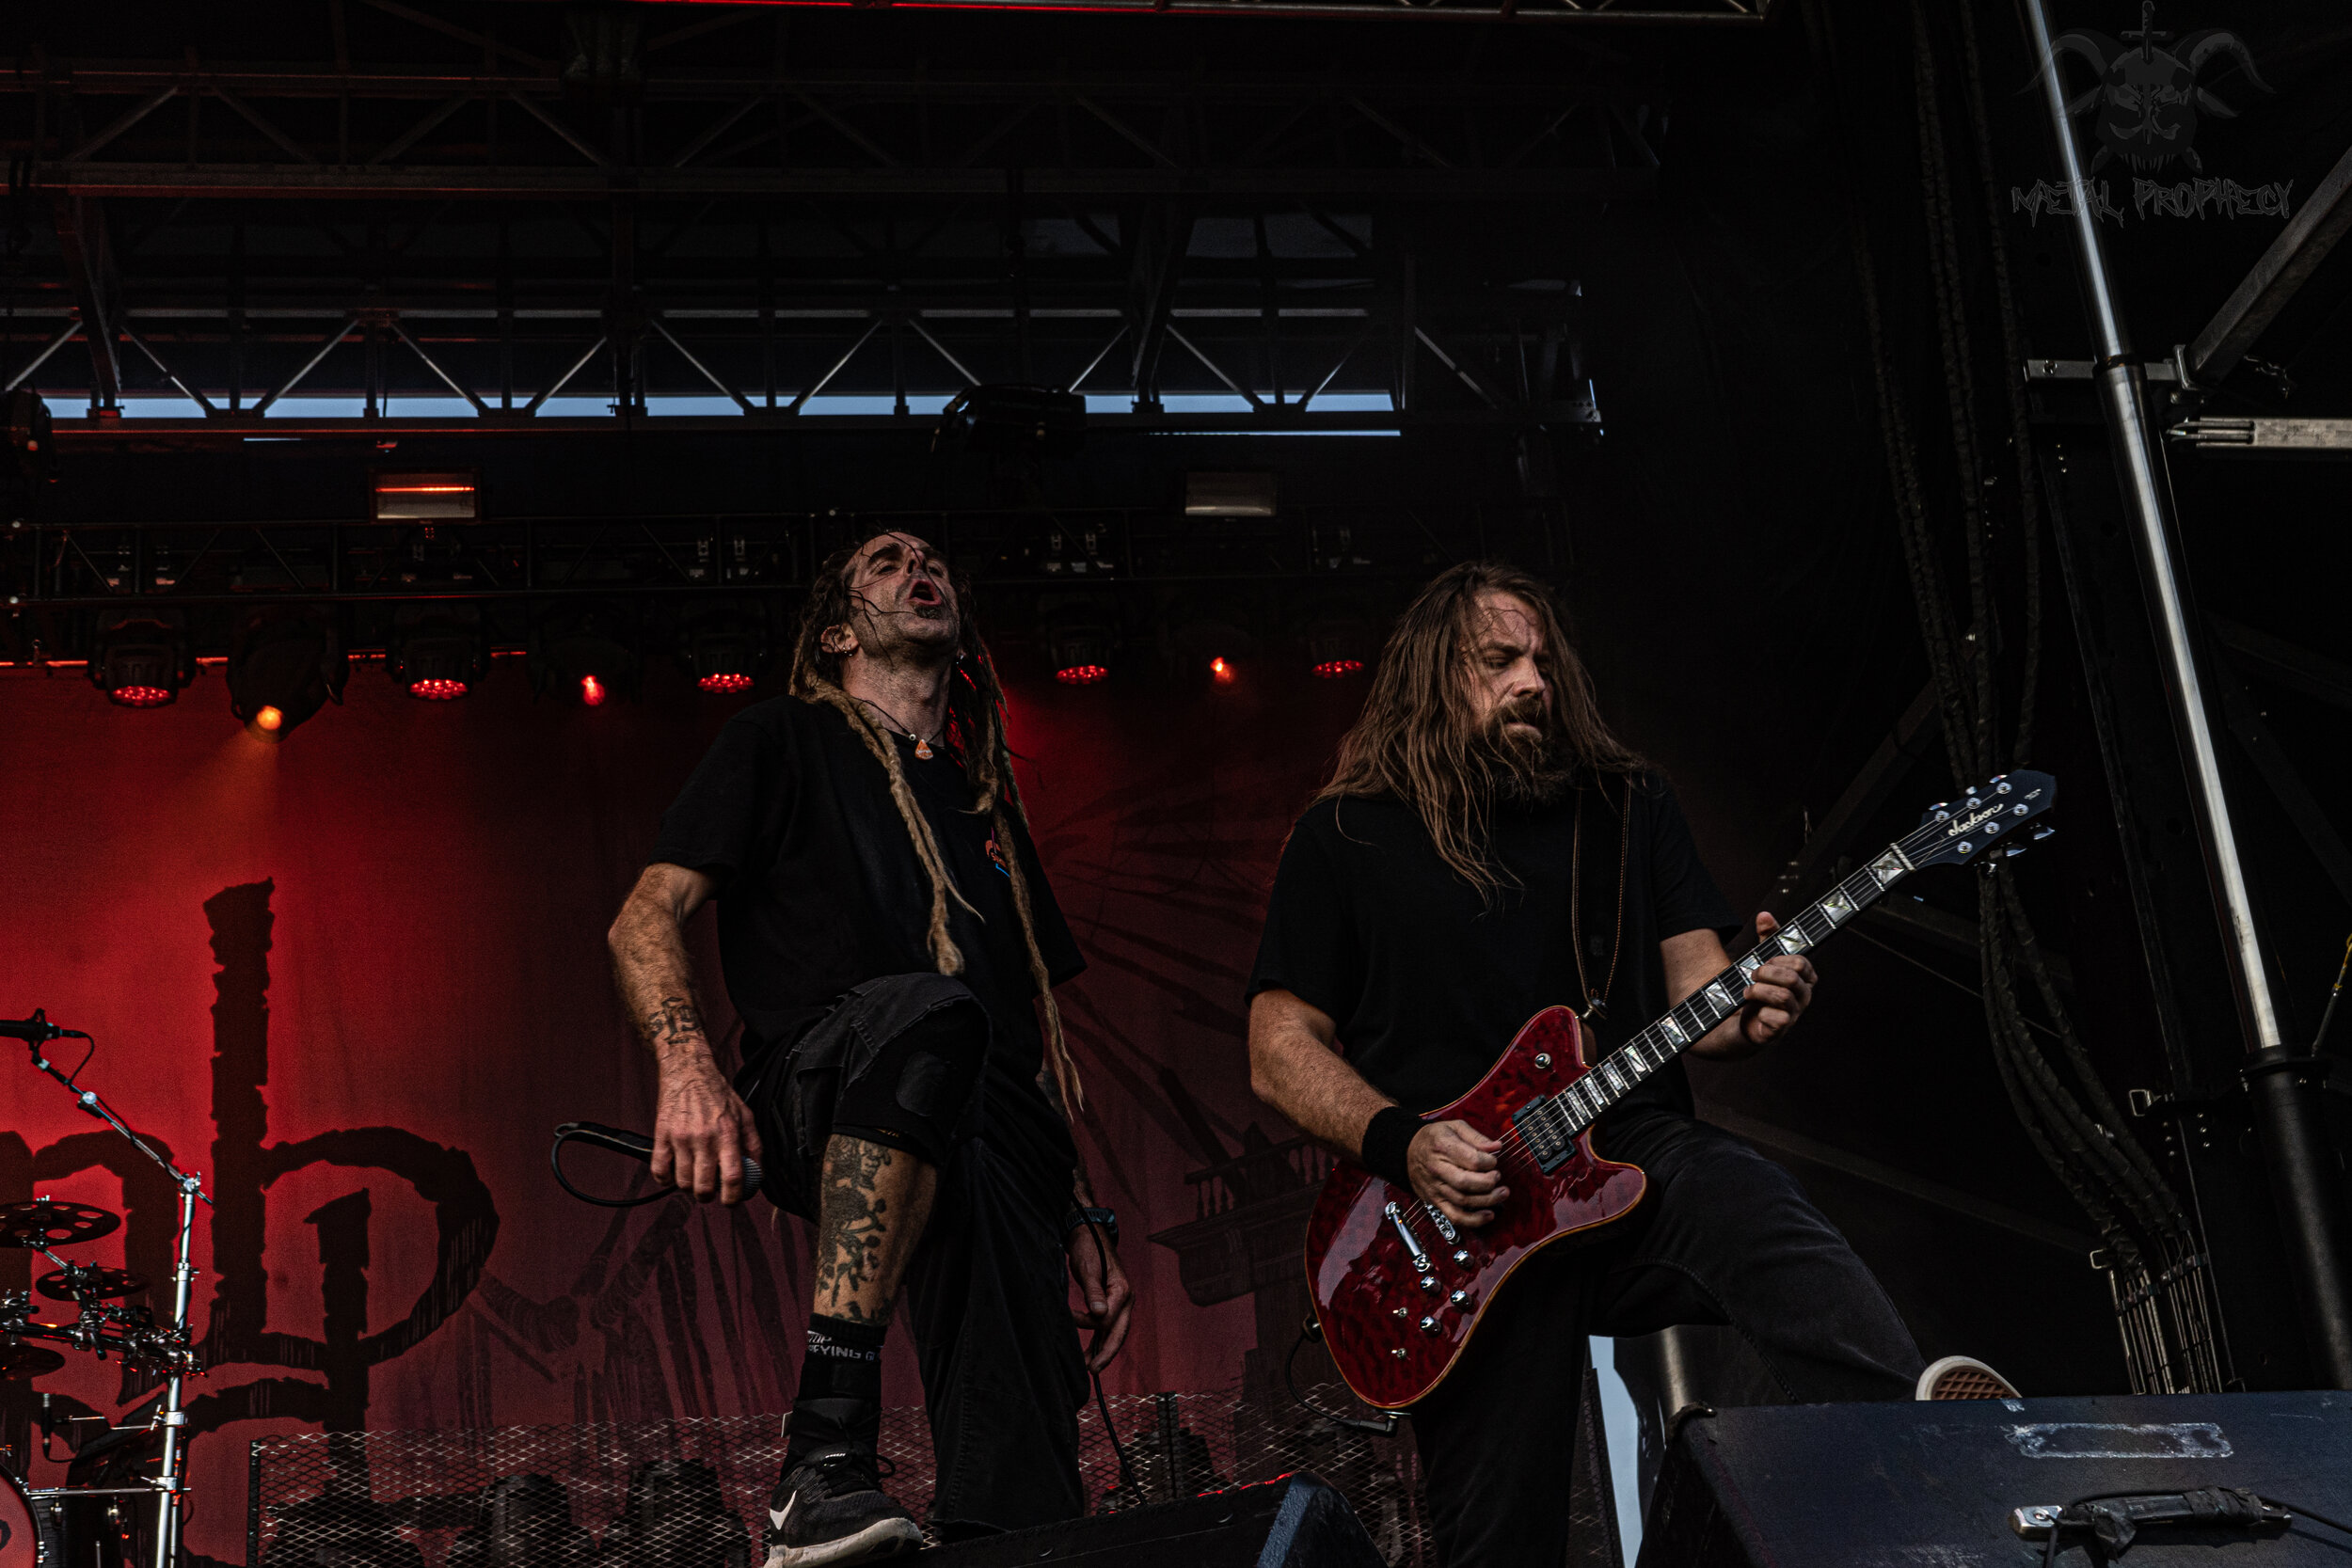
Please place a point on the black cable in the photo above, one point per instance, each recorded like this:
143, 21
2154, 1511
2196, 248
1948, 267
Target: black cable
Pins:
1102, 1256
1385, 1427
2299, 1510
555, 1160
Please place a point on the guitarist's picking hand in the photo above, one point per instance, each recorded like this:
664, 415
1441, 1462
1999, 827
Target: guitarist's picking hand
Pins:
1453, 1166
1778, 993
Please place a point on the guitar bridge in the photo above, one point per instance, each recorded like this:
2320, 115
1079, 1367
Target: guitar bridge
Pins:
1545, 1129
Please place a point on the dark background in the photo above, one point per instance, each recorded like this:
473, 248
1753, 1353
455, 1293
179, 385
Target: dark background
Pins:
1723, 534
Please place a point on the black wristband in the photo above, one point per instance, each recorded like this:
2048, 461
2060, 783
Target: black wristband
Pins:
1386, 1138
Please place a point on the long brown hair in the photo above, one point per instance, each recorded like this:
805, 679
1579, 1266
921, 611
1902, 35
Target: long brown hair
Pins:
976, 719
1418, 737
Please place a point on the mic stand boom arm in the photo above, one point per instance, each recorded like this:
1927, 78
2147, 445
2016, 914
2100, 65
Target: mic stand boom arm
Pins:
170, 1476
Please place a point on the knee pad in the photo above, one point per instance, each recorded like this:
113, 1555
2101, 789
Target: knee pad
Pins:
920, 1085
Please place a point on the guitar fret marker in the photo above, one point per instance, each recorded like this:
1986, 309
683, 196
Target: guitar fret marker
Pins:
1720, 997
1793, 940
1836, 907
1671, 1030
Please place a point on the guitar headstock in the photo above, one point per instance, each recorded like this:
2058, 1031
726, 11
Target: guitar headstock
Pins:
1983, 821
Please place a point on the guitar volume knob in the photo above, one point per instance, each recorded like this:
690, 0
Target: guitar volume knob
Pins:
1461, 1258
1429, 1325
1460, 1298
1429, 1283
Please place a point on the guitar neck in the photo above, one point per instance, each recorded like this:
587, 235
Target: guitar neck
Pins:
1617, 1074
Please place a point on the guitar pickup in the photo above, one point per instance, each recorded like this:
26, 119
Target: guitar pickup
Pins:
1545, 1129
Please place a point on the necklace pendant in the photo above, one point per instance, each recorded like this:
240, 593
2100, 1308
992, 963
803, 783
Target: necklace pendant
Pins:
922, 749
1596, 1011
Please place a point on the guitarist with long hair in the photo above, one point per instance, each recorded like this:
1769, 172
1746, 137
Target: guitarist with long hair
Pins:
1487, 849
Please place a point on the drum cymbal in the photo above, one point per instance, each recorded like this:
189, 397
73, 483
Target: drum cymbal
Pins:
88, 1283
24, 1361
48, 1222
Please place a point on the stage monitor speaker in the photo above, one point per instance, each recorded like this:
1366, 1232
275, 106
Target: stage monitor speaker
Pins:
1937, 1482
1296, 1521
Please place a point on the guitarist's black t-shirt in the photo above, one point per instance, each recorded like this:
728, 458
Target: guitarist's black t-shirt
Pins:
1428, 986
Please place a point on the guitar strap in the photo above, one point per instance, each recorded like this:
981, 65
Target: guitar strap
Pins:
1596, 1007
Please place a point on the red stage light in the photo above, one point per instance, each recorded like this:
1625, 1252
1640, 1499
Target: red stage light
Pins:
269, 719
1332, 668
725, 681
1220, 672
1082, 674
437, 690
591, 690
143, 696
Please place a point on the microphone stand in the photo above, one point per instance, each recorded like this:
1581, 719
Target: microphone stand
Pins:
170, 1478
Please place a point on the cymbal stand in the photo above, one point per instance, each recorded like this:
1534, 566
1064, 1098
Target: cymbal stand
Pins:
171, 1476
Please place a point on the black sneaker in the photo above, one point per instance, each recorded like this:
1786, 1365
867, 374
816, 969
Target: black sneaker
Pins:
831, 1508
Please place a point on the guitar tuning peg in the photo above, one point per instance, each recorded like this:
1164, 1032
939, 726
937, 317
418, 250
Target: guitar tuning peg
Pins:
2041, 834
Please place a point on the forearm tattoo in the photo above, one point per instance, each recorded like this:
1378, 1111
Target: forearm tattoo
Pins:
851, 1225
676, 1023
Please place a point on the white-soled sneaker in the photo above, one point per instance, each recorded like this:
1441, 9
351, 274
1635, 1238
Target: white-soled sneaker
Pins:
829, 1507
1961, 1377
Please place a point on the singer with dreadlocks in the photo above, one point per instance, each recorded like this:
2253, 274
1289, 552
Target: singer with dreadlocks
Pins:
891, 947
1487, 849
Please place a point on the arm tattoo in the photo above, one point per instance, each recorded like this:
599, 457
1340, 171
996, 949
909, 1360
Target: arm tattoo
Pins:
1081, 1187
856, 1220
674, 1024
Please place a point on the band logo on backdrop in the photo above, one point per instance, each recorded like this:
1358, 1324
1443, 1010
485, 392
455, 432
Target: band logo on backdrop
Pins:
2145, 111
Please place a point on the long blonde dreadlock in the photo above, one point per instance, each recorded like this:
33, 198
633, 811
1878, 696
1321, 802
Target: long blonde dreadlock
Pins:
975, 712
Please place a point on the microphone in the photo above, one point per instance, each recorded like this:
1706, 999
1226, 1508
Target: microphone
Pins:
635, 1146
34, 1030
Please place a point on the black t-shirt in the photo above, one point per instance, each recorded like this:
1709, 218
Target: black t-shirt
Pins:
1428, 985
820, 888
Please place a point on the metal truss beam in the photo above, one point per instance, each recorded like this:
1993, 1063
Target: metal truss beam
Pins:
1267, 419
2259, 298
239, 180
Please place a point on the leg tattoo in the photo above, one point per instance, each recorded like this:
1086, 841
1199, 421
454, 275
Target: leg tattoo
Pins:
870, 1214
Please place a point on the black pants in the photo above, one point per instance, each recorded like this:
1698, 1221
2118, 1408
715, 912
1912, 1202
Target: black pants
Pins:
987, 1288
1723, 1236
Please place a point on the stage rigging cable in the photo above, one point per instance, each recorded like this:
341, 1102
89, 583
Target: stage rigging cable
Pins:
2154, 1263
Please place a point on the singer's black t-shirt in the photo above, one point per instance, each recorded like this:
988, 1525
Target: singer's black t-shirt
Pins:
819, 888
1428, 986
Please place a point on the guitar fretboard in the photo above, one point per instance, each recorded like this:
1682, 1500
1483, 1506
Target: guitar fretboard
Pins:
1551, 1122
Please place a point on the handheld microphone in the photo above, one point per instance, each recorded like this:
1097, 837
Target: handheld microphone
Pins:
620, 1141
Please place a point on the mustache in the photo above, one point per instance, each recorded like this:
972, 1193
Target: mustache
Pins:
1528, 709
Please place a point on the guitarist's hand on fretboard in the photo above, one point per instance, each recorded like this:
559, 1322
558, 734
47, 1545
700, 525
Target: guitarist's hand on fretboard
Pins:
1454, 1167
1778, 993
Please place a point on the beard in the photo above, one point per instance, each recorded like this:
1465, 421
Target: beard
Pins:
1535, 769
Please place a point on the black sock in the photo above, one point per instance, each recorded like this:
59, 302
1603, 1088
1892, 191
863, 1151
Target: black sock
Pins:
839, 1399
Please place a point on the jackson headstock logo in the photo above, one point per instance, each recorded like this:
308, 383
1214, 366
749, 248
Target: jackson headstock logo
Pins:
2151, 95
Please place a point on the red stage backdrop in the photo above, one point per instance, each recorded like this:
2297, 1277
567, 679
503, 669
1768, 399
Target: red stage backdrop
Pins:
357, 978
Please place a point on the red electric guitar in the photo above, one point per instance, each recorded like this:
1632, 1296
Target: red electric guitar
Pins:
1399, 1289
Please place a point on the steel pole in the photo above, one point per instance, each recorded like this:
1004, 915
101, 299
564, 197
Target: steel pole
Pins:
168, 1475
2306, 1182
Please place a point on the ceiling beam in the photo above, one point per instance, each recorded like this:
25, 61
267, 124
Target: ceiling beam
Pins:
495, 184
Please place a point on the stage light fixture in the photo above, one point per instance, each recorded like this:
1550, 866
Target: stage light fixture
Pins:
438, 651
1080, 647
141, 660
723, 649
1336, 645
285, 663
588, 648
1220, 672
424, 498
